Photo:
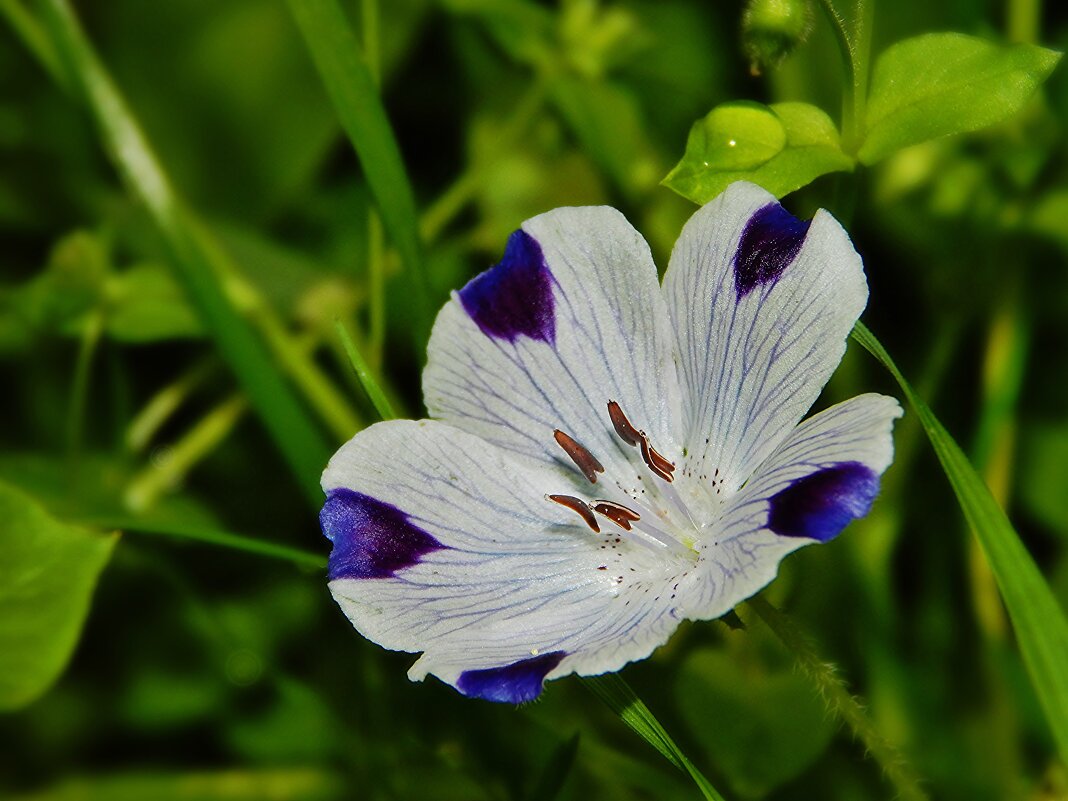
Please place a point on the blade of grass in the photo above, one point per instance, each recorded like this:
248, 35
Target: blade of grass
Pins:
1039, 622
223, 539
192, 252
621, 699
351, 85
363, 373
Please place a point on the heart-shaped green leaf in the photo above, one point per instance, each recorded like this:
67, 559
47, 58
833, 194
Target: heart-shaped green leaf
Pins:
781, 147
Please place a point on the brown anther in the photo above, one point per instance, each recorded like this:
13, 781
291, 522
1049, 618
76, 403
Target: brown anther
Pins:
582, 458
657, 463
618, 514
577, 505
628, 433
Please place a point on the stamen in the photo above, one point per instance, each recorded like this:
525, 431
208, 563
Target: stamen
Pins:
617, 513
583, 459
663, 538
628, 433
577, 505
657, 463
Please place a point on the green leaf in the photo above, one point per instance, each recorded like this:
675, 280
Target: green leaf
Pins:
781, 147
1039, 622
145, 304
621, 699
195, 255
769, 725
947, 83
47, 575
351, 86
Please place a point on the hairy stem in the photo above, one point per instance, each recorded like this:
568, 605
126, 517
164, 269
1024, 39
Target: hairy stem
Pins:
840, 702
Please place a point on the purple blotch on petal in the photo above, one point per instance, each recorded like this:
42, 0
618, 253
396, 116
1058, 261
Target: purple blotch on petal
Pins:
515, 297
820, 505
372, 539
770, 241
516, 683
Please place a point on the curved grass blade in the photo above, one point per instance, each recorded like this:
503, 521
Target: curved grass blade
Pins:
351, 85
621, 699
198, 260
1040, 624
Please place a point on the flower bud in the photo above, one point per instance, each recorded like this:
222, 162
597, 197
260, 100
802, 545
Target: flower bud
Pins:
771, 29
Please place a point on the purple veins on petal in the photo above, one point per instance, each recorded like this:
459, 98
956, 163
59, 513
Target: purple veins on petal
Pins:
516, 683
769, 243
372, 539
820, 505
515, 297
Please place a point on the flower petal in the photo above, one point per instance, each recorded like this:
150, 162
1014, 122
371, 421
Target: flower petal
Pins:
571, 318
823, 476
446, 544
761, 304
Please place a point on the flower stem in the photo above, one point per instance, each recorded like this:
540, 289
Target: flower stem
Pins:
79, 393
367, 380
621, 699
222, 539
169, 470
162, 405
840, 702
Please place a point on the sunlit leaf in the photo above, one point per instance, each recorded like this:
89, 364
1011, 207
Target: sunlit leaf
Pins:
781, 147
1039, 622
939, 84
47, 575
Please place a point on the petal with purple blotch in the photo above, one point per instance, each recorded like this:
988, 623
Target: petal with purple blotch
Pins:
761, 304
511, 575
837, 456
494, 370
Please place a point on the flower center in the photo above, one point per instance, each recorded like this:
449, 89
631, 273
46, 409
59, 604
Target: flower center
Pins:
665, 524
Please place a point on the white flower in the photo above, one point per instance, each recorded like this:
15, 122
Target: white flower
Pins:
608, 457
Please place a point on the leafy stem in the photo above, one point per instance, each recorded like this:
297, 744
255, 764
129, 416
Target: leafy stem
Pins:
855, 49
840, 702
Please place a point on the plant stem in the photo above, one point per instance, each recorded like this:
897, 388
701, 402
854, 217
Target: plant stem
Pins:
1024, 21
621, 699
223, 539
79, 392
163, 404
839, 700
168, 472
862, 32
359, 366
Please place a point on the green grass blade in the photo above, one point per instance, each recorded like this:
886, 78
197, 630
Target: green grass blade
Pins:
622, 700
222, 539
192, 252
1039, 622
363, 373
351, 85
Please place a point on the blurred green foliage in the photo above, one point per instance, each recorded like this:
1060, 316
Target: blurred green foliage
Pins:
207, 673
